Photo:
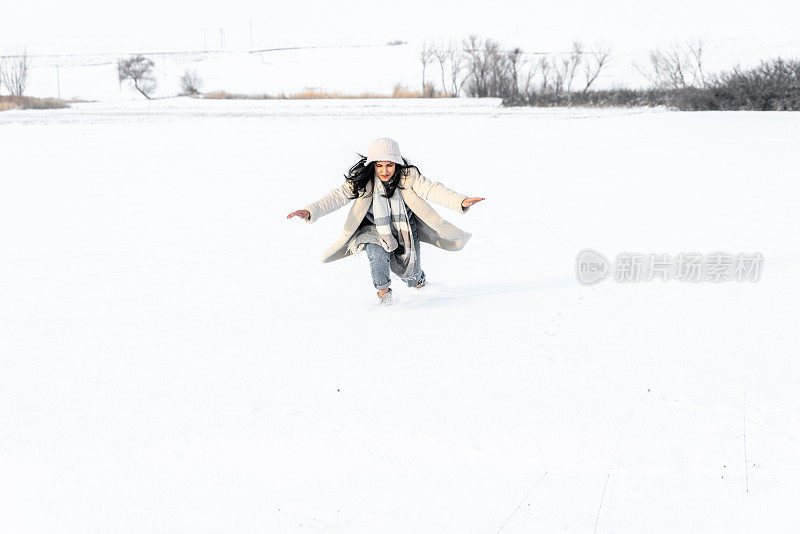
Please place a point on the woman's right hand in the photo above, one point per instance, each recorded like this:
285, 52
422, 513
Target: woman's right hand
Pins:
303, 214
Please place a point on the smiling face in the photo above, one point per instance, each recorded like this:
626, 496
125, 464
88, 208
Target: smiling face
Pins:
384, 170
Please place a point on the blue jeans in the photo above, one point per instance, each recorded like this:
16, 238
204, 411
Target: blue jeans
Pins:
379, 263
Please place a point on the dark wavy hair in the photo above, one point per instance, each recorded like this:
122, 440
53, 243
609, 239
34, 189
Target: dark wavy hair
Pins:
359, 175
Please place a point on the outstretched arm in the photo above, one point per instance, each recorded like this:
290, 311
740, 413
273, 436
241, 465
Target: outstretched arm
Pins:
335, 199
440, 194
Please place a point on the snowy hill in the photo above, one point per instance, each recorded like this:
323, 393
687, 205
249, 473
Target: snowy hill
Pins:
345, 68
351, 69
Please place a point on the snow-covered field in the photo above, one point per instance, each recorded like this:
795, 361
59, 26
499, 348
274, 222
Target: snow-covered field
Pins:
175, 358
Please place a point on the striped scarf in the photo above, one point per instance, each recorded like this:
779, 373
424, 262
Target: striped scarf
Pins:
390, 213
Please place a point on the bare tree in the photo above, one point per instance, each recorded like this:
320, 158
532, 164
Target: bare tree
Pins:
457, 60
191, 83
592, 68
478, 67
574, 59
425, 56
529, 75
500, 80
440, 53
678, 67
696, 51
546, 68
652, 71
560, 70
564, 68
515, 63
488, 67
139, 70
14, 72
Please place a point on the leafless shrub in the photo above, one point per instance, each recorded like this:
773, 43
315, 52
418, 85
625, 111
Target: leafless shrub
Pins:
139, 70
191, 83
773, 85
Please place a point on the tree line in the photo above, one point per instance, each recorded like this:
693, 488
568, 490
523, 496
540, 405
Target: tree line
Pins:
482, 67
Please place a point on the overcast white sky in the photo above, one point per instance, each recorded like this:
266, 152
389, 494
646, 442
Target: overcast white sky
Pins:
77, 26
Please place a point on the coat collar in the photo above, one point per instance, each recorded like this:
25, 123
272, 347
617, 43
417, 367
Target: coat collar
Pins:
405, 180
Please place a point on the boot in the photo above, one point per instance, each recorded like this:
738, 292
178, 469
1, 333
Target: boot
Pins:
385, 299
421, 283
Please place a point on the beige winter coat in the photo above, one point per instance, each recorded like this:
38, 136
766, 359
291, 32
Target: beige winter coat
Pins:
416, 190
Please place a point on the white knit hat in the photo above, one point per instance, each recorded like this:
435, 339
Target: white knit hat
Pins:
384, 149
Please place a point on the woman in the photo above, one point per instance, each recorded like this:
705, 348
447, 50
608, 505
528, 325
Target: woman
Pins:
390, 217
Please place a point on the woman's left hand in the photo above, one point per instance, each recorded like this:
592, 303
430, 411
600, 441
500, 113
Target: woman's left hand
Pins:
467, 202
